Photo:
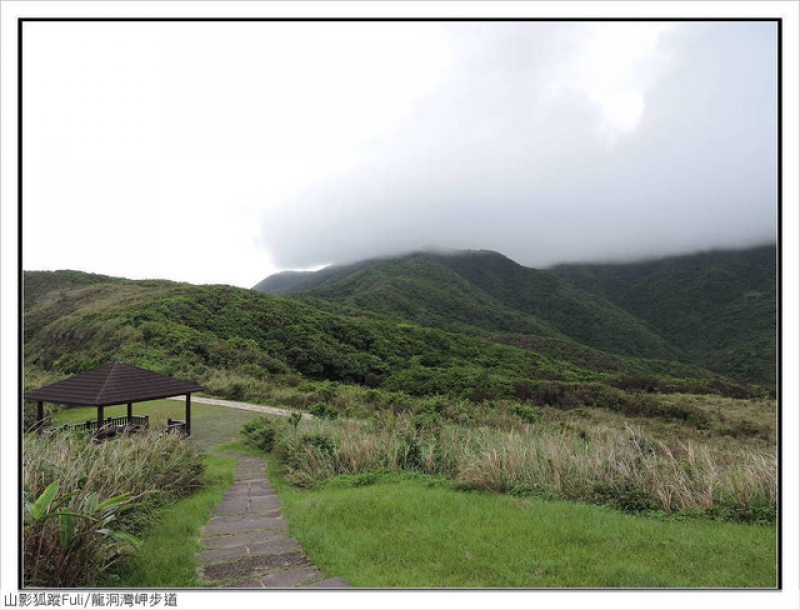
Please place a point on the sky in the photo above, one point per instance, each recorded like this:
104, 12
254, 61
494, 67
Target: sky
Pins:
224, 152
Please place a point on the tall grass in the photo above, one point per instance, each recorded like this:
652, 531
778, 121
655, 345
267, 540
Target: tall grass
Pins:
623, 468
150, 470
166, 556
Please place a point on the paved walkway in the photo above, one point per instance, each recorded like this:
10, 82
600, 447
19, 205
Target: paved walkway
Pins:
246, 406
247, 543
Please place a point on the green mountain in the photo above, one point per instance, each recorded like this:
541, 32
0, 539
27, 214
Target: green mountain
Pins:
419, 289
42, 285
713, 309
292, 281
480, 292
202, 332
719, 306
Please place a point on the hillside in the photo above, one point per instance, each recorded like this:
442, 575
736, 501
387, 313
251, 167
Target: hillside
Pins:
40, 285
198, 331
713, 309
479, 292
419, 289
292, 281
719, 307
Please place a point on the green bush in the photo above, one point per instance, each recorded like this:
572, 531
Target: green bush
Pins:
260, 433
74, 546
526, 413
322, 443
86, 548
323, 411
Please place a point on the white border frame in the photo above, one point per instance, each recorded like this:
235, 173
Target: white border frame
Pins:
787, 598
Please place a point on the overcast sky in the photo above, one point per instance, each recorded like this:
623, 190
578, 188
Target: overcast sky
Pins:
222, 152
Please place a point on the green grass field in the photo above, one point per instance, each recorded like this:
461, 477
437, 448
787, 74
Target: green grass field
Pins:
412, 534
412, 531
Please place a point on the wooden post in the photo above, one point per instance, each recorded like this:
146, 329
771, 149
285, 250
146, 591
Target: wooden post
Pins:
99, 418
39, 414
130, 412
188, 414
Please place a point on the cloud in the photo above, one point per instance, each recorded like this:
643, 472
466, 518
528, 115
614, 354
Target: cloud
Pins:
550, 142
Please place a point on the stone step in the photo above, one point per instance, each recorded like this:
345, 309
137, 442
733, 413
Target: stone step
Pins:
274, 547
254, 566
247, 540
236, 524
229, 540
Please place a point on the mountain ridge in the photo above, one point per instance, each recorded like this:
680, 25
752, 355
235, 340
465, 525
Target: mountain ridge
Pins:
691, 308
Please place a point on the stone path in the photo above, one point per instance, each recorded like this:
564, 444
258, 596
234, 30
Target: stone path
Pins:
246, 541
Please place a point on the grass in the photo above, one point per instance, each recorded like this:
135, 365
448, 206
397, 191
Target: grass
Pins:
624, 467
410, 530
166, 557
212, 425
146, 471
418, 534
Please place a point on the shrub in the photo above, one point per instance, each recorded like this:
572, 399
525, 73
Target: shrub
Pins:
523, 390
86, 546
526, 413
149, 469
260, 433
320, 442
323, 411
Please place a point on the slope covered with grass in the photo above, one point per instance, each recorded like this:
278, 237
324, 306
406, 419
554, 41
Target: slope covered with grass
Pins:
414, 533
485, 291
197, 331
419, 289
719, 306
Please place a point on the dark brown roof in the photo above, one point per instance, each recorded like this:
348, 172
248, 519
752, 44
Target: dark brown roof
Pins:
113, 384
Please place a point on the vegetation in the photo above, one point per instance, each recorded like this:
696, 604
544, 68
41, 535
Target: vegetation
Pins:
87, 501
242, 344
455, 391
714, 309
719, 306
166, 555
411, 530
624, 468
487, 291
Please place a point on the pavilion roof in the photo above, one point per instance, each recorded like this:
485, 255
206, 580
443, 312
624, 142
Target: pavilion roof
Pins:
113, 384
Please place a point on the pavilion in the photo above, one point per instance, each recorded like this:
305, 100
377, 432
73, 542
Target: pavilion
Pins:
114, 384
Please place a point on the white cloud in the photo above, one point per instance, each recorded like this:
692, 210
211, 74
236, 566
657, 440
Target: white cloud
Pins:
520, 150
218, 152
150, 150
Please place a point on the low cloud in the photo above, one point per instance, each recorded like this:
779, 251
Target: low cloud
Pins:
523, 149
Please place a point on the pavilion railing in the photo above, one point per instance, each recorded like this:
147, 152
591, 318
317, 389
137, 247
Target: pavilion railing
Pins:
175, 426
90, 425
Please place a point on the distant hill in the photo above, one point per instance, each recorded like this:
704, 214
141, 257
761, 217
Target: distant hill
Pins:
38, 285
419, 289
292, 281
713, 309
487, 292
582, 316
208, 333
719, 306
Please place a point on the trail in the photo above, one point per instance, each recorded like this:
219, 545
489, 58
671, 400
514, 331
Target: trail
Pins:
245, 406
247, 543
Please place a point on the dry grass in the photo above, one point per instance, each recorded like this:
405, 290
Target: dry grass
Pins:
150, 469
624, 467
